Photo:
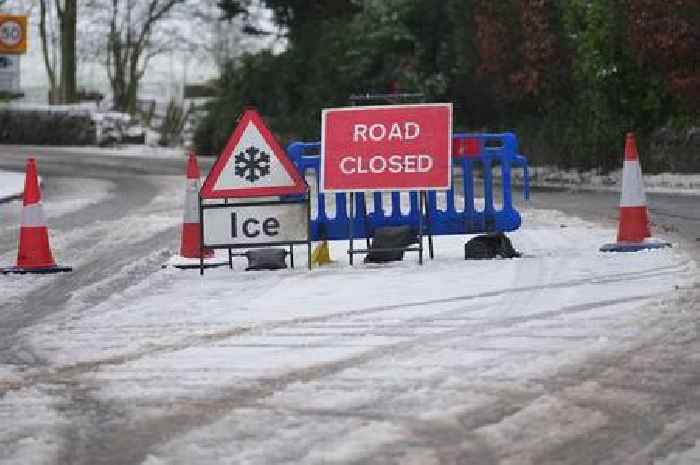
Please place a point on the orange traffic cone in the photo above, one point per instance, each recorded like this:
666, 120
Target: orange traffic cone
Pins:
34, 254
633, 231
190, 238
190, 251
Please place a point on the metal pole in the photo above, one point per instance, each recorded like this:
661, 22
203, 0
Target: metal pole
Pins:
366, 220
230, 252
308, 228
352, 216
201, 237
420, 227
429, 226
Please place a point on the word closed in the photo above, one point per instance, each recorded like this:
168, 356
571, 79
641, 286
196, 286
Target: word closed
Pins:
254, 224
400, 147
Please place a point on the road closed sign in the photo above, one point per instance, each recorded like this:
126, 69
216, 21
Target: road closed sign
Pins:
381, 148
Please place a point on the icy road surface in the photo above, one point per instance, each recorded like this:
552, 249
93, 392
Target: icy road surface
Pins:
566, 356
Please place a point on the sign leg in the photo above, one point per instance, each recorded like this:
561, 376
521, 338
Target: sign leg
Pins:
351, 220
308, 229
291, 255
428, 225
421, 197
201, 238
366, 220
308, 254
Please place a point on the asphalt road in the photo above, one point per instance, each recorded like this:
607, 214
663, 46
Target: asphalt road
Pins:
674, 217
662, 372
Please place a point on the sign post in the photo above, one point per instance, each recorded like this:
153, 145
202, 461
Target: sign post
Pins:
387, 148
13, 43
272, 203
10, 74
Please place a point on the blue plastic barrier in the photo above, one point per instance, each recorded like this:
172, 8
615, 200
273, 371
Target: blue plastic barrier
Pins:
474, 153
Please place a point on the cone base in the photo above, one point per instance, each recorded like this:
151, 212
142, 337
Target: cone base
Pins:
627, 246
43, 270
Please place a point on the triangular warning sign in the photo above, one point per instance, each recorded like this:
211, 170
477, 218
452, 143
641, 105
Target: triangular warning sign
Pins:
252, 165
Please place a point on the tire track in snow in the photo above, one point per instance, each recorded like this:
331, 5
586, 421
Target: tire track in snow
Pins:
49, 295
117, 440
216, 336
52, 298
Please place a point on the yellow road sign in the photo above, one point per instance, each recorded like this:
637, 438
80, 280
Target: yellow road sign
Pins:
13, 34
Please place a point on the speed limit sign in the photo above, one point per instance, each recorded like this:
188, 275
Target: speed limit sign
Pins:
13, 34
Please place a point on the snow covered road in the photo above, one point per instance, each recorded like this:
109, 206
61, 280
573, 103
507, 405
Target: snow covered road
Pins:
566, 356
484, 362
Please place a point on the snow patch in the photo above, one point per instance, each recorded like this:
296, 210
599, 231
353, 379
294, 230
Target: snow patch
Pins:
11, 185
549, 176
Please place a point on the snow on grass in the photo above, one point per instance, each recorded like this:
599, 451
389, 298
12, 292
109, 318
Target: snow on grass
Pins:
549, 176
127, 150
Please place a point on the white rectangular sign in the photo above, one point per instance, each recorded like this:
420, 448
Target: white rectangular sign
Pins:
9, 73
255, 224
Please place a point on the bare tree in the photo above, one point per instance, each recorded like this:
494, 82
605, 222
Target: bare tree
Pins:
61, 15
131, 45
48, 47
68, 20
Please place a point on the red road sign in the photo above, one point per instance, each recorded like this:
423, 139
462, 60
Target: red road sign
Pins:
400, 147
252, 165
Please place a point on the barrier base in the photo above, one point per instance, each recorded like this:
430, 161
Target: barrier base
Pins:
47, 270
182, 263
634, 246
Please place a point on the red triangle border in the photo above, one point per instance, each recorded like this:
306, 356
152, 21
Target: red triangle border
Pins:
207, 191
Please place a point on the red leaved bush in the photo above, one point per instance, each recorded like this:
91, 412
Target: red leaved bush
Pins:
520, 49
666, 37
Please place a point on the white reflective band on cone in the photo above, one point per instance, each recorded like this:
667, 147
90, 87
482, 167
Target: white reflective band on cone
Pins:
192, 202
33, 215
632, 185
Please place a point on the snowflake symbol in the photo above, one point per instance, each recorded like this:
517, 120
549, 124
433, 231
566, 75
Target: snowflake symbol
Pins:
252, 164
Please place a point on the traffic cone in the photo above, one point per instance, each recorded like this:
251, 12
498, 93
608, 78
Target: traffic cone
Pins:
321, 254
190, 251
34, 253
190, 238
633, 233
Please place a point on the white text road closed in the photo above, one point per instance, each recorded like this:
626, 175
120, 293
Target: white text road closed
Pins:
380, 148
237, 225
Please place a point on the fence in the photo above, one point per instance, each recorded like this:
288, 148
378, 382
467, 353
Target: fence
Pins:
457, 211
